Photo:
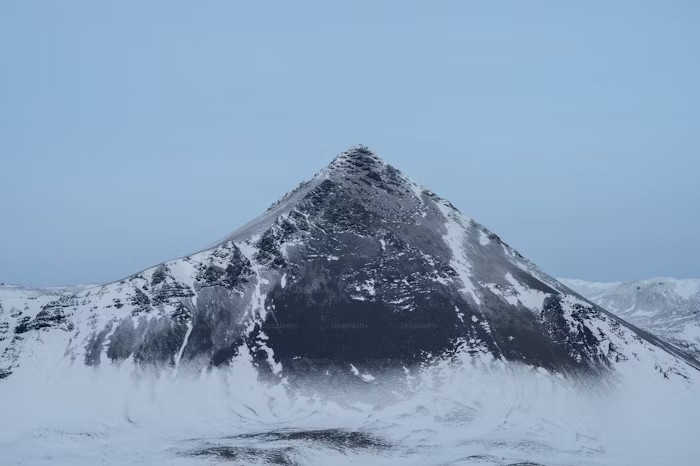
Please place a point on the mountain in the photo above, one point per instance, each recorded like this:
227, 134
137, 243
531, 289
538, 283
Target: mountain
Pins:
361, 320
357, 270
667, 307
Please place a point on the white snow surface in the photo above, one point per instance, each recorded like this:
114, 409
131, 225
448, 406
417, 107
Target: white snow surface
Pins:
489, 411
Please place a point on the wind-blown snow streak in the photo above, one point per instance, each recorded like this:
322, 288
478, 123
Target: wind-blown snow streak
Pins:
455, 239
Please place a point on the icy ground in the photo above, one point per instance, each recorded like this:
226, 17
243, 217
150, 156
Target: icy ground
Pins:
458, 413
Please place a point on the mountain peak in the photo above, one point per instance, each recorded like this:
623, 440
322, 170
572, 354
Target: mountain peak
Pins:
358, 151
357, 160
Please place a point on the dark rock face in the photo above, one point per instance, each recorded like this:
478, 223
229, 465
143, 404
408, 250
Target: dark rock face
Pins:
328, 324
51, 316
94, 348
373, 282
232, 273
155, 341
279, 446
4, 329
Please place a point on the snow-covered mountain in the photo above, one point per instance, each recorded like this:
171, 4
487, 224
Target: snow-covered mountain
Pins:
361, 320
359, 269
667, 307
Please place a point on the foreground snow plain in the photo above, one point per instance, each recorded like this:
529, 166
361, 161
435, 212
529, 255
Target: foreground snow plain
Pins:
463, 412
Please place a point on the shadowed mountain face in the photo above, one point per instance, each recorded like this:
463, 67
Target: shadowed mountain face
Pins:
358, 266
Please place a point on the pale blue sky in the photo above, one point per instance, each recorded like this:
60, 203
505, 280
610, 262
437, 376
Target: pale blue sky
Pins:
132, 132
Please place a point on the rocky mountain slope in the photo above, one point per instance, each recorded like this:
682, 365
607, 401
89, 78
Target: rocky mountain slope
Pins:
667, 307
359, 269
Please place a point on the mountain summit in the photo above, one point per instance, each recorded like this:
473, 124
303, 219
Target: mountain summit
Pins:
358, 267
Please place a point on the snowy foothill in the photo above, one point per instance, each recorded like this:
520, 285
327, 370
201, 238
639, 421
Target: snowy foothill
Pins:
667, 307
